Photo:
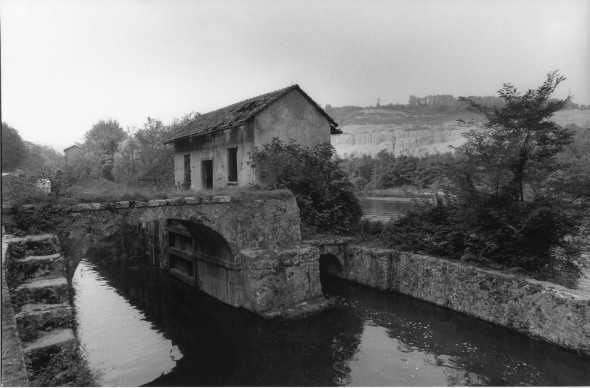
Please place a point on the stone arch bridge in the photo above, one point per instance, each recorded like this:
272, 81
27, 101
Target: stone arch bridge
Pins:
246, 252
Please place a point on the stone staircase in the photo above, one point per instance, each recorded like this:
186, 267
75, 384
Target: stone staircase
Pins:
40, 297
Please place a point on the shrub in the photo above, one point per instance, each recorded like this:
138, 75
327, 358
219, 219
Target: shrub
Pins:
323, 192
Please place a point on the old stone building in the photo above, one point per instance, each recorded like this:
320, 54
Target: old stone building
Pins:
72, 153
212, 151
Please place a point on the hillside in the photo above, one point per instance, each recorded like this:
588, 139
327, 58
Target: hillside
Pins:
370, 130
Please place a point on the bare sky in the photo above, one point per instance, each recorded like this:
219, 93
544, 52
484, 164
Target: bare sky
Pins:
68, 63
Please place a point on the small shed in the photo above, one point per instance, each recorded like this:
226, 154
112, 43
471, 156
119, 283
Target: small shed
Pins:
212, 151
73, 152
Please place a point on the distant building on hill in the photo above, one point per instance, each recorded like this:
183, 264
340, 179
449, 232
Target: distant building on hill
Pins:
73, 152
212, 151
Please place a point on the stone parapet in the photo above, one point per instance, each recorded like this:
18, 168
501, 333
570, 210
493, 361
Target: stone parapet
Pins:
541, 310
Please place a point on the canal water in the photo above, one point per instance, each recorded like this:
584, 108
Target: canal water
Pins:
138, 326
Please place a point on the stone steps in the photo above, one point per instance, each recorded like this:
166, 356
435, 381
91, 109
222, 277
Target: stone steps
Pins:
50, 343
34, 319
39, 266
36, 245
40, 295
45, 290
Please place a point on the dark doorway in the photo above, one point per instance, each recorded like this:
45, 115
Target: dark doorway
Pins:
232, 159
187, 171
207, 174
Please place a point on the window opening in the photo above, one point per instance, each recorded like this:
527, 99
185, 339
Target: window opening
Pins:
232, 159
187, 171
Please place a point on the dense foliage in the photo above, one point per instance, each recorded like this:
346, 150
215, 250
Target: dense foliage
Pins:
324, 193
516, 192
103, 140
143, 154
13, 148
386, 170
27, 157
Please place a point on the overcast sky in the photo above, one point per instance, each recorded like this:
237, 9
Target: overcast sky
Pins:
67, 64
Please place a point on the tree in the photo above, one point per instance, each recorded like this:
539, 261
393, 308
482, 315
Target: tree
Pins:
517, 147
105, 136
143, 153
514, 193
103, 140
42, 159
13, 148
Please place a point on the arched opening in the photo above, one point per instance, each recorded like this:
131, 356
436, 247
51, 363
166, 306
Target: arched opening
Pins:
194, 248
330, 265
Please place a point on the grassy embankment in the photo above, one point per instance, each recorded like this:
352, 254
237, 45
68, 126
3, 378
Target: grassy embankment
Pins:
101, 190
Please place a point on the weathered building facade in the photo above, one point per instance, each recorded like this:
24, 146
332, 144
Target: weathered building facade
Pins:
213, 150
72, 153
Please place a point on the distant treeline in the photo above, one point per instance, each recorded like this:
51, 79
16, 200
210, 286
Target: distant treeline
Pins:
428, 105
386, 170
23, 156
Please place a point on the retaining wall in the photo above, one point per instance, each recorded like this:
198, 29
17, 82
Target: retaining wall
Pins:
541, 310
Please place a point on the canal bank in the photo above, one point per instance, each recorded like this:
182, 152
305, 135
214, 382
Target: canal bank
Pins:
541, 310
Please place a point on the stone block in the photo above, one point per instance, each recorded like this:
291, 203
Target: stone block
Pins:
190, 200
41, 291
158, 202
221, 199
280, 278
35, 245
84, 207
122, 205
50, 343
36, 266
33, 319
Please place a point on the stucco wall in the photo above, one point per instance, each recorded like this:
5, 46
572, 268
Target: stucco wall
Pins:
291, 117
214, 147
539, 309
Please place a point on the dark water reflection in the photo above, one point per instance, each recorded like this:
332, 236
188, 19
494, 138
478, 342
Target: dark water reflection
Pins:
141, 327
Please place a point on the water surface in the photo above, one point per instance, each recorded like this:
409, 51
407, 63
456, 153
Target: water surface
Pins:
139, 327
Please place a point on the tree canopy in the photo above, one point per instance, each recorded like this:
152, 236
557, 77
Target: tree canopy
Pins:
13, 148
513, 154
102, 140
105, 136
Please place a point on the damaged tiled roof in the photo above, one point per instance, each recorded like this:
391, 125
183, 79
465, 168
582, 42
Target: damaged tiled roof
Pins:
238, 114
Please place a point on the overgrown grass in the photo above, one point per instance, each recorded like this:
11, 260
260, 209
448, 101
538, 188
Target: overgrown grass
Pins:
67, 369
101, 190
107, 191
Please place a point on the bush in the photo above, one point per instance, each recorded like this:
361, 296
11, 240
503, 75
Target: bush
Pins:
323, 192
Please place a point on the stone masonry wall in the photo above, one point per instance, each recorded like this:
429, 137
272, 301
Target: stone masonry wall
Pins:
279, 281
539, 309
